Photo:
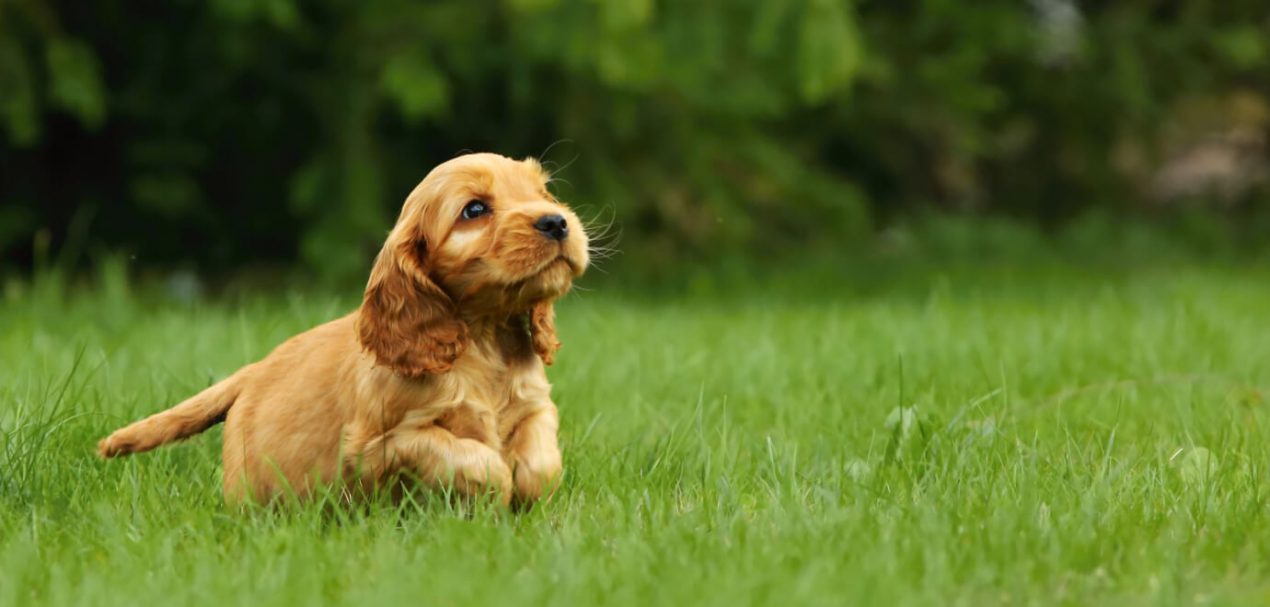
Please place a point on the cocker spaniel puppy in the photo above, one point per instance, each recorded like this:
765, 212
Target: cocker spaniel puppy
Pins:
438, 376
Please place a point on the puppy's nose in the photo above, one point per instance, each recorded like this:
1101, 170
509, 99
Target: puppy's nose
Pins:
552, 226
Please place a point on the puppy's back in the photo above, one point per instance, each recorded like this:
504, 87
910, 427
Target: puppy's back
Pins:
284, 430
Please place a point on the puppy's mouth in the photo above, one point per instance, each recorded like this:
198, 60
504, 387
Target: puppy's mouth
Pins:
556, 270
561, 260
554, 275
573, 266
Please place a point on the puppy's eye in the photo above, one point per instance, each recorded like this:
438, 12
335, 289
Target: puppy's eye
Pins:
474, 209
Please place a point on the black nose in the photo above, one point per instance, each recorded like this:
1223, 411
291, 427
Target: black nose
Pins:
552, 226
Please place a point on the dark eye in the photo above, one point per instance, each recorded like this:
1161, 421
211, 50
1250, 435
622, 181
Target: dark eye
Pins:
474, 209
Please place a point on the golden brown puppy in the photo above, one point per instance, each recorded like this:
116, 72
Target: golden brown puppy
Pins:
439, 375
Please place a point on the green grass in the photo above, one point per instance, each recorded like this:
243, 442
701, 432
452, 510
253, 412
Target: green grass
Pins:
1022, 437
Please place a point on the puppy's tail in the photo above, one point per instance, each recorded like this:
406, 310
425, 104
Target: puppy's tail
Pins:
194, 415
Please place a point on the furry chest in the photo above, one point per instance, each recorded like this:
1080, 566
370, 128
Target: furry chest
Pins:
471, 405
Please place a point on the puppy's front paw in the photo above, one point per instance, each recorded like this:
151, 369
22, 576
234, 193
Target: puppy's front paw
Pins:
488, 477
536, 477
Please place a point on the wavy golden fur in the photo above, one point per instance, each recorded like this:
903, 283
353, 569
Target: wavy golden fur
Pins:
438, 377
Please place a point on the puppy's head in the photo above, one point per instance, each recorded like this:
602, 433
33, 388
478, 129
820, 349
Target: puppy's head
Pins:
480, 238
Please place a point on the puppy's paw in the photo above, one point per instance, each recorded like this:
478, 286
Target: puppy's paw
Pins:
486, 478
536, 478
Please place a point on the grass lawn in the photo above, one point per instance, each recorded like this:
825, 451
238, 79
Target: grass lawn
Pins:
1047, 436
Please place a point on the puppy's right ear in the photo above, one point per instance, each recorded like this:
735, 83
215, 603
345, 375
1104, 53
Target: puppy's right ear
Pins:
406, 321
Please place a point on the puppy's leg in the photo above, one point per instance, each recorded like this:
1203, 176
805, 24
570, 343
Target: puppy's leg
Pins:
534, 455
440, 460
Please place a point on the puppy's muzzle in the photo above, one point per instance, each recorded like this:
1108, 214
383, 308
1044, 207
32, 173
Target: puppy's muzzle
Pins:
552, 226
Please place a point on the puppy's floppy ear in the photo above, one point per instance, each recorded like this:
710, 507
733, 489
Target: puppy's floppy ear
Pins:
406, 321
542, 328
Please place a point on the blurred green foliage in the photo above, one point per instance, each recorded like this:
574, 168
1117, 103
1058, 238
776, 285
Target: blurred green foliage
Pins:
232, 131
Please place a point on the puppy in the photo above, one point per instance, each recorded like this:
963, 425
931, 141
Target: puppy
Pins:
437, 378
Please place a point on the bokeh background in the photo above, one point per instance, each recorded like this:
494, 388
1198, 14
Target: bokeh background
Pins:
220, 137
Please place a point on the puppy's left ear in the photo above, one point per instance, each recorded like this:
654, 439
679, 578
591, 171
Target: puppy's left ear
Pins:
542, 328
